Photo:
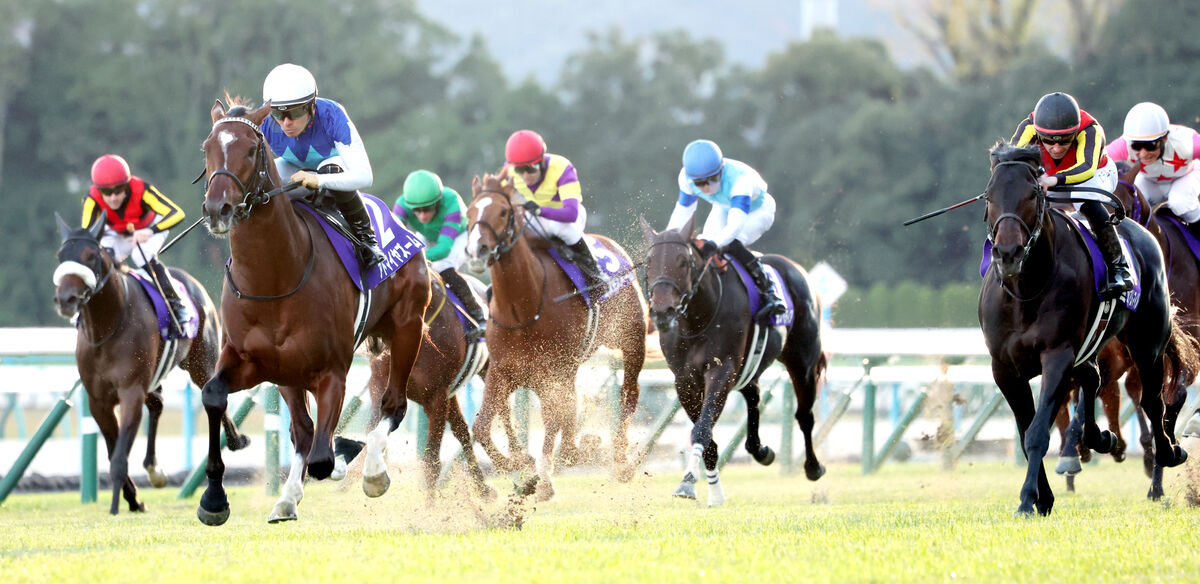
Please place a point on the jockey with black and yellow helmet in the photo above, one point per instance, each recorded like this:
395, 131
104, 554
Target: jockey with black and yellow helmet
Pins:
1072, 144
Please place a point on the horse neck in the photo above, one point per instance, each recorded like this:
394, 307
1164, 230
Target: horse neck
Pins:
104, 311
273, 234
705, 304
1039, 265
514, 274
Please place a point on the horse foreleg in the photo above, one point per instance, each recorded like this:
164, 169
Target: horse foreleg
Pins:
287, 507
462, 433
1088, 379
106, 421
330, 391
214, 503
760, 453
1056, 384
717, 381
1068, 451
431, 459
555, 409
118, 470
392, 405
633, 355
1110, 399
496, 389
154, 406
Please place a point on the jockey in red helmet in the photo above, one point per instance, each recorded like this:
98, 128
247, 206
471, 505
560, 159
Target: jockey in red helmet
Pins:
553, 198
135, 217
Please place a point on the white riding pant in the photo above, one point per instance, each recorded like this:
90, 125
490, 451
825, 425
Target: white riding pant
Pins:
1182, 195
458, 252
287, 169
123, 247
758, 221
1105, 179
570, 233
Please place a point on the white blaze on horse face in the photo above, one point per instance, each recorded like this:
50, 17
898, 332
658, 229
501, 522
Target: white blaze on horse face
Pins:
225, 137
473, 237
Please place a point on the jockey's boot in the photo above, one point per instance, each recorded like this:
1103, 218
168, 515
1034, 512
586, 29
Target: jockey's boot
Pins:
352, 208
596, 284
459, 286
178, 313
771, 304
1119, 281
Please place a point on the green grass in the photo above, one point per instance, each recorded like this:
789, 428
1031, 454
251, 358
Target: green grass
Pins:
911, 522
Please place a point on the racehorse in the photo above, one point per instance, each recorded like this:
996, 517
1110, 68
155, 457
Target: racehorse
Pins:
121, 356
289, 309
703, 314
538, 339
1035, 309
445, 364
1183, 279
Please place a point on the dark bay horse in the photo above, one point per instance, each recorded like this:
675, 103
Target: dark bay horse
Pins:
444, 366
1183, 279
538, 342
121, 356
290, 311
1036, 307
705, 328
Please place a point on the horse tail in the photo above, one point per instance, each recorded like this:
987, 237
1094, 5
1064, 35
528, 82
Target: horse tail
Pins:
1181, 358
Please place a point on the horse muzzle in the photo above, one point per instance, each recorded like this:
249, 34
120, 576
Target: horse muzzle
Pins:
67, 303
218, 217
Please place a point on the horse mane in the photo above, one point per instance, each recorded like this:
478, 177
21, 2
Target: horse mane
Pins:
238, 105
1002, 151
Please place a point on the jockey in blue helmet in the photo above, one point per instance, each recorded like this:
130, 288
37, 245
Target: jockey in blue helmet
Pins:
742, 210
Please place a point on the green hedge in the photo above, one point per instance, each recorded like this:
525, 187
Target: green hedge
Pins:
908, 304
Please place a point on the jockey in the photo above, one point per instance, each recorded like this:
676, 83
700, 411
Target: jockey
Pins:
553, 198
1166, 154
742, 211
435, 213
1072, 145
307, 132
136, 217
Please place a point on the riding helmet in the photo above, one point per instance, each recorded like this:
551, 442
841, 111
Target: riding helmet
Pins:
524, 147
1056, 113
1146, 121
702, 159
109, 171
288, 85
422, 188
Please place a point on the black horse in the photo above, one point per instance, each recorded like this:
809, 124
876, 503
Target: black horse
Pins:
1036, 308
703, 314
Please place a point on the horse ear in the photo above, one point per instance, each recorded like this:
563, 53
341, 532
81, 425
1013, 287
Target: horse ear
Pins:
63, 229
97, 228
647, 230
217, 112
260, 114
476, 184
689, 227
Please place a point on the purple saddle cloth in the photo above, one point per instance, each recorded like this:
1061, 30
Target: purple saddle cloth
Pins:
616, 269
160, 306
777, 286
459, 310
397, 243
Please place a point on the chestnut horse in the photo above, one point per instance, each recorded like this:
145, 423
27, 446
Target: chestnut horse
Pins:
704, 318
290, 312
445, 365
121, 356
1036, 307
537, 341
1183, 279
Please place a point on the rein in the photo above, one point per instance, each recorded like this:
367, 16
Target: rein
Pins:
100, 284
685, 298
511, 236
1034, 233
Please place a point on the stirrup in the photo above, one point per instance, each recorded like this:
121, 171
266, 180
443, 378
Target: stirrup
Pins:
475, 334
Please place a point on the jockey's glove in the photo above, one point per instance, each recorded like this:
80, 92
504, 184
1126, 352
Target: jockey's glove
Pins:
142, 235
306, 178
707, 247
531, 207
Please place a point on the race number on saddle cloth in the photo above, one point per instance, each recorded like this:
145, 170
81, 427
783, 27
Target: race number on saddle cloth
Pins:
1099, 267
756, 299
190, 326
615, 267
397, 243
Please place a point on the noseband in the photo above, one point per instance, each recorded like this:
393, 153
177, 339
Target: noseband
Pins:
673, 313
254, 193
506, 239
101, 279
1036, 231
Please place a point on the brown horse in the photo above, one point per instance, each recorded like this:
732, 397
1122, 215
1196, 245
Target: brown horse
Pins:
537, 341
1183, 279
290, 309
122, 359
445, 365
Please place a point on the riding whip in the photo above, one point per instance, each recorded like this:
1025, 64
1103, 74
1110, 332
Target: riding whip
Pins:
940, 211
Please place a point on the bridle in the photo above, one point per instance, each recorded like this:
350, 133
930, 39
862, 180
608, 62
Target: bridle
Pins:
673, 313
254, 194
101, 282
506, 239
1039, 193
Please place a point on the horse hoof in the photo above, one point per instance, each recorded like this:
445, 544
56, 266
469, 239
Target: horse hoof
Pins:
237, 443
377, 485
1106, 443
1068, 465
212, 518
545, 491
623, 471
320, 469
814, 472
158, 479
765, 456
283, 511
1175, 457
140, 507
686, 488
1154, 494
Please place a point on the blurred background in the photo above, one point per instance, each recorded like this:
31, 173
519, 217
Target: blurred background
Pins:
859, 113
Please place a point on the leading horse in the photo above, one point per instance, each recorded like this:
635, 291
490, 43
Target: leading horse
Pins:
291, 310
1036, 308
538, 341
121, 355
704, 317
